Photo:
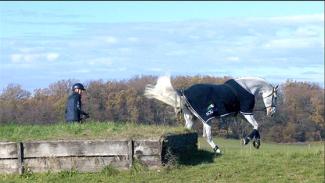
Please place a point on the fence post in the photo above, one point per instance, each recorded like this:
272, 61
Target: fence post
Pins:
20, 156
130, 152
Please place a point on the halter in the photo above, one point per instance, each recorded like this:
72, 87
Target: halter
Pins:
273, 104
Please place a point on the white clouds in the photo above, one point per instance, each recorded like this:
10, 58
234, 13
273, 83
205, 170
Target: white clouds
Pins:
133, 39
263, 46
299, 19
177, 53
309, 31
52, 56
306, 36
110, 39
155, 69
289, 43
100, 62
26, 57
114, 40
233, 59
15, 58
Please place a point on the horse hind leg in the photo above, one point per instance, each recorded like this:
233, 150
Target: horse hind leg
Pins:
204, 134
188, 119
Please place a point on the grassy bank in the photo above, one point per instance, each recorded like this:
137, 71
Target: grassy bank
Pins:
271, 163
89, 130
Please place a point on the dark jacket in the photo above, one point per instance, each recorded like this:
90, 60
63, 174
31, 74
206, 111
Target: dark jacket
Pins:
212, 100
73, 109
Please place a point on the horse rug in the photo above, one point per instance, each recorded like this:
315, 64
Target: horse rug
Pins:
207, 101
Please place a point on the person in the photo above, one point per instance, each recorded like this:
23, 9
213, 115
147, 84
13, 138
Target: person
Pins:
74, 112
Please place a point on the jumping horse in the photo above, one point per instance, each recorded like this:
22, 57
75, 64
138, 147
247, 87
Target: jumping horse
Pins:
208, 101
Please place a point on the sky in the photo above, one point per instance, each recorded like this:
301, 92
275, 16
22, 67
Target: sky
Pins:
44, 42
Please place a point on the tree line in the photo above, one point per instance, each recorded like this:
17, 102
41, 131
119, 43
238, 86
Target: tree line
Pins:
299, 117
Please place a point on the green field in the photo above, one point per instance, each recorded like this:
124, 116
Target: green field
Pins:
271, 163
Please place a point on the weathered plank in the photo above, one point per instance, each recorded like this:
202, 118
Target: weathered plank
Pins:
75, 148
9, 166
81, 164
152, 162
147, 147
8, 150
148, 152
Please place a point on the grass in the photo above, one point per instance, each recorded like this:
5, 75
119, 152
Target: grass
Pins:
90, 130
271, 163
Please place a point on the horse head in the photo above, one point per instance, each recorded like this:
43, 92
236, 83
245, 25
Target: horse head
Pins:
270, 100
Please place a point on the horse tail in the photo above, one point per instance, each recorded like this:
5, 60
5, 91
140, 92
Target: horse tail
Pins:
163, 91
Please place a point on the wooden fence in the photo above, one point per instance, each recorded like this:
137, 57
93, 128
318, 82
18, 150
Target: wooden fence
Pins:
91, 155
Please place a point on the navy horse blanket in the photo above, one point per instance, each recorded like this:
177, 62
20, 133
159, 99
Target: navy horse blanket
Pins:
207, 101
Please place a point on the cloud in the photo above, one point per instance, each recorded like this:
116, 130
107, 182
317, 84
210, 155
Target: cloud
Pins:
16, 58
177, 52
133, 39
110, 39
289, 43
299, 19
52, 56
100, 62
278, 47
33, 57
233, 59
155, 69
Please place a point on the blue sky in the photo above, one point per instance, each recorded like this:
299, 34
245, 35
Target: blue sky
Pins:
43, 42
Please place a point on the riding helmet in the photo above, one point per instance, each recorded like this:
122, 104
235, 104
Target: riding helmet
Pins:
78, 86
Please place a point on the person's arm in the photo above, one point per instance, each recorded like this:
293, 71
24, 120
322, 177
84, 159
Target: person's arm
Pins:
79, 108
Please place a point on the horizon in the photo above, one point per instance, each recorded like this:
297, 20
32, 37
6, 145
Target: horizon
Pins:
45, 42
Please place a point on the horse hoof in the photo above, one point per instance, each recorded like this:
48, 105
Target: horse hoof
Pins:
217, 151
245, 141
257, 143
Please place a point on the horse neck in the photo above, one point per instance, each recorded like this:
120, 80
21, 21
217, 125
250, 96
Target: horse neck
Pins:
254, 85
177, 100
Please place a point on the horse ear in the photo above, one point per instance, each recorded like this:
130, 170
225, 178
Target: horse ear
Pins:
276, 87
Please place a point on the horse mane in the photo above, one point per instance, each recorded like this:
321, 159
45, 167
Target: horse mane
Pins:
249, 82
163, 91
259, 79
252, 78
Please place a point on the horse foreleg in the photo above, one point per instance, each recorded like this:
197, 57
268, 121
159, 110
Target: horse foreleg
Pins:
254, 135
207, 129
251, 120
